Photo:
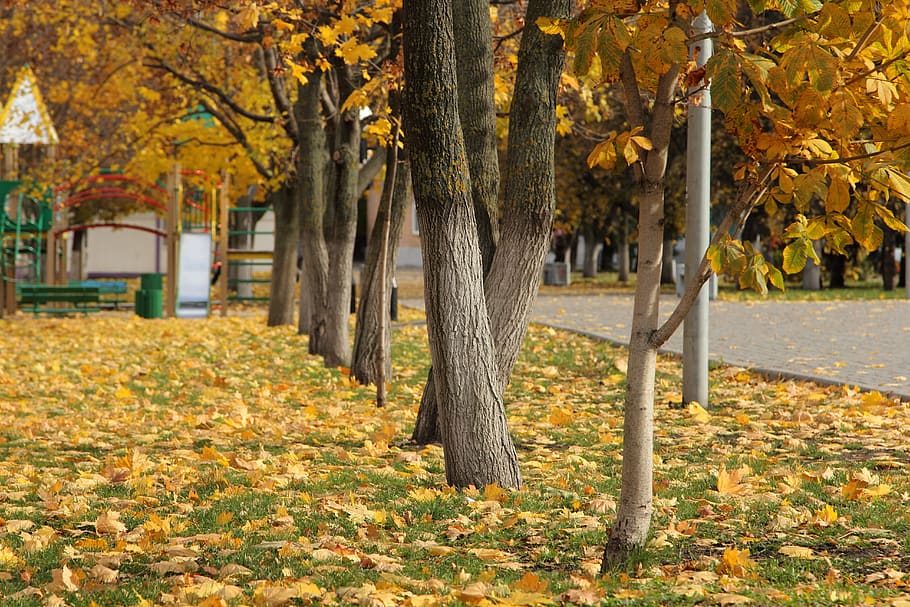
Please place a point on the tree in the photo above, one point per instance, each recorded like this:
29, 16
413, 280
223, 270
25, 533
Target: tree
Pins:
817, 103
476, 326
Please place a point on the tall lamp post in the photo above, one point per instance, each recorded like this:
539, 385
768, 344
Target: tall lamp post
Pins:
698, 212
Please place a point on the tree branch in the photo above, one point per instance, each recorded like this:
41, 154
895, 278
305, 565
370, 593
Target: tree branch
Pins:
815, 162
234, 129
246, 37
276, 84
734, 218
208, 87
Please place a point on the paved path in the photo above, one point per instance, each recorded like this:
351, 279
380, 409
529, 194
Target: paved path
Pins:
864, 343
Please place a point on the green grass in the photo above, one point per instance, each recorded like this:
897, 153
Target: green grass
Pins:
252, 466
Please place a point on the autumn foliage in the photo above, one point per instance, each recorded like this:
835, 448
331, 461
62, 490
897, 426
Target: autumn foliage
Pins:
212, 463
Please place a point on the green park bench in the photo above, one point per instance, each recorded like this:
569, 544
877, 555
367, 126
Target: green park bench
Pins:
46, 299
109, 290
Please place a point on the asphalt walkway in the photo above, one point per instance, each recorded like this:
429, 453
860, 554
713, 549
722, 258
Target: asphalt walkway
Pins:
859, 343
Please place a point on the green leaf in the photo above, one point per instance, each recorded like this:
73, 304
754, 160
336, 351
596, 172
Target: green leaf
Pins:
754, 279
795, 257
723, 70
867, 234
838, 239
584, 51
610, 54
756, 69
776, 277
727, 257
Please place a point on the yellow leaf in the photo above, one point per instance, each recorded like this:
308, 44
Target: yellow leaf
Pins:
728, 481
109, 522
877, 491
735, 562
354, 52
552, 26
530, 582
826, 515
799, 552
561, 416
698, 413
123, 392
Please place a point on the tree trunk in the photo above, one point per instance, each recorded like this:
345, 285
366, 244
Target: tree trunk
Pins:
812, 272
624, 261
341, 231
666, 272
889, 267
312, 168
528, 205
477, 113
593, 247
363, 362
633, 518
77, 265
476, 443
286, 207
837, 264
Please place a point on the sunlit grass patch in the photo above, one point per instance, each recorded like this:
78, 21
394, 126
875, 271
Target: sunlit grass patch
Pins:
180, 462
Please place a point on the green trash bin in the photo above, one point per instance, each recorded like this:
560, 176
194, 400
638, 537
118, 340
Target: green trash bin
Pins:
151, 281
150, 296
155, 303
142, 305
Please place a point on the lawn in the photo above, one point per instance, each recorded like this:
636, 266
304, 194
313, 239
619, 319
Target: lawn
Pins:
214, 463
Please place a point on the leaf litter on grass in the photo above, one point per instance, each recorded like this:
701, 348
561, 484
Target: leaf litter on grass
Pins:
216, 463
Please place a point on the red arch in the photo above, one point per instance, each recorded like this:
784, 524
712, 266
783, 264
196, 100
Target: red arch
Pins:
129, 226
108, 193
111, 177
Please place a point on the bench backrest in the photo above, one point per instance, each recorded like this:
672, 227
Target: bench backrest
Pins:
38, 294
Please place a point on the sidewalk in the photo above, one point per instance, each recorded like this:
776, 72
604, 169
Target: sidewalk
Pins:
859, 343
862, 343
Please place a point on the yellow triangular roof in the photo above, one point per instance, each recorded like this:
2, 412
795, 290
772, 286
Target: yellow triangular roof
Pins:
24, 118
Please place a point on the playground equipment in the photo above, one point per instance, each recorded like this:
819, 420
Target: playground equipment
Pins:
241, 262
23, 238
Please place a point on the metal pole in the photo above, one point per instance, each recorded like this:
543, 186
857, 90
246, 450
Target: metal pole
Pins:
173, 239
698, 212
907, 252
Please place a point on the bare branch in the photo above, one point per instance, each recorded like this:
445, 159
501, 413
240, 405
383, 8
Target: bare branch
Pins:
276, 85
208, 87
234, 129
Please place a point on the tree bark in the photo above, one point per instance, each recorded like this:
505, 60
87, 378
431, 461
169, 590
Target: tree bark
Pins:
528, 204
284, 257
624, 258
366, 344
593, 247
341, 229
633, 518
312, 167
476, 443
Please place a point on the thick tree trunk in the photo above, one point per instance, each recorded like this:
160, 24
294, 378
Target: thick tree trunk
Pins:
341, 231
284, 257
311, 172
366, 333
476, 443
477, 113
528, 205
